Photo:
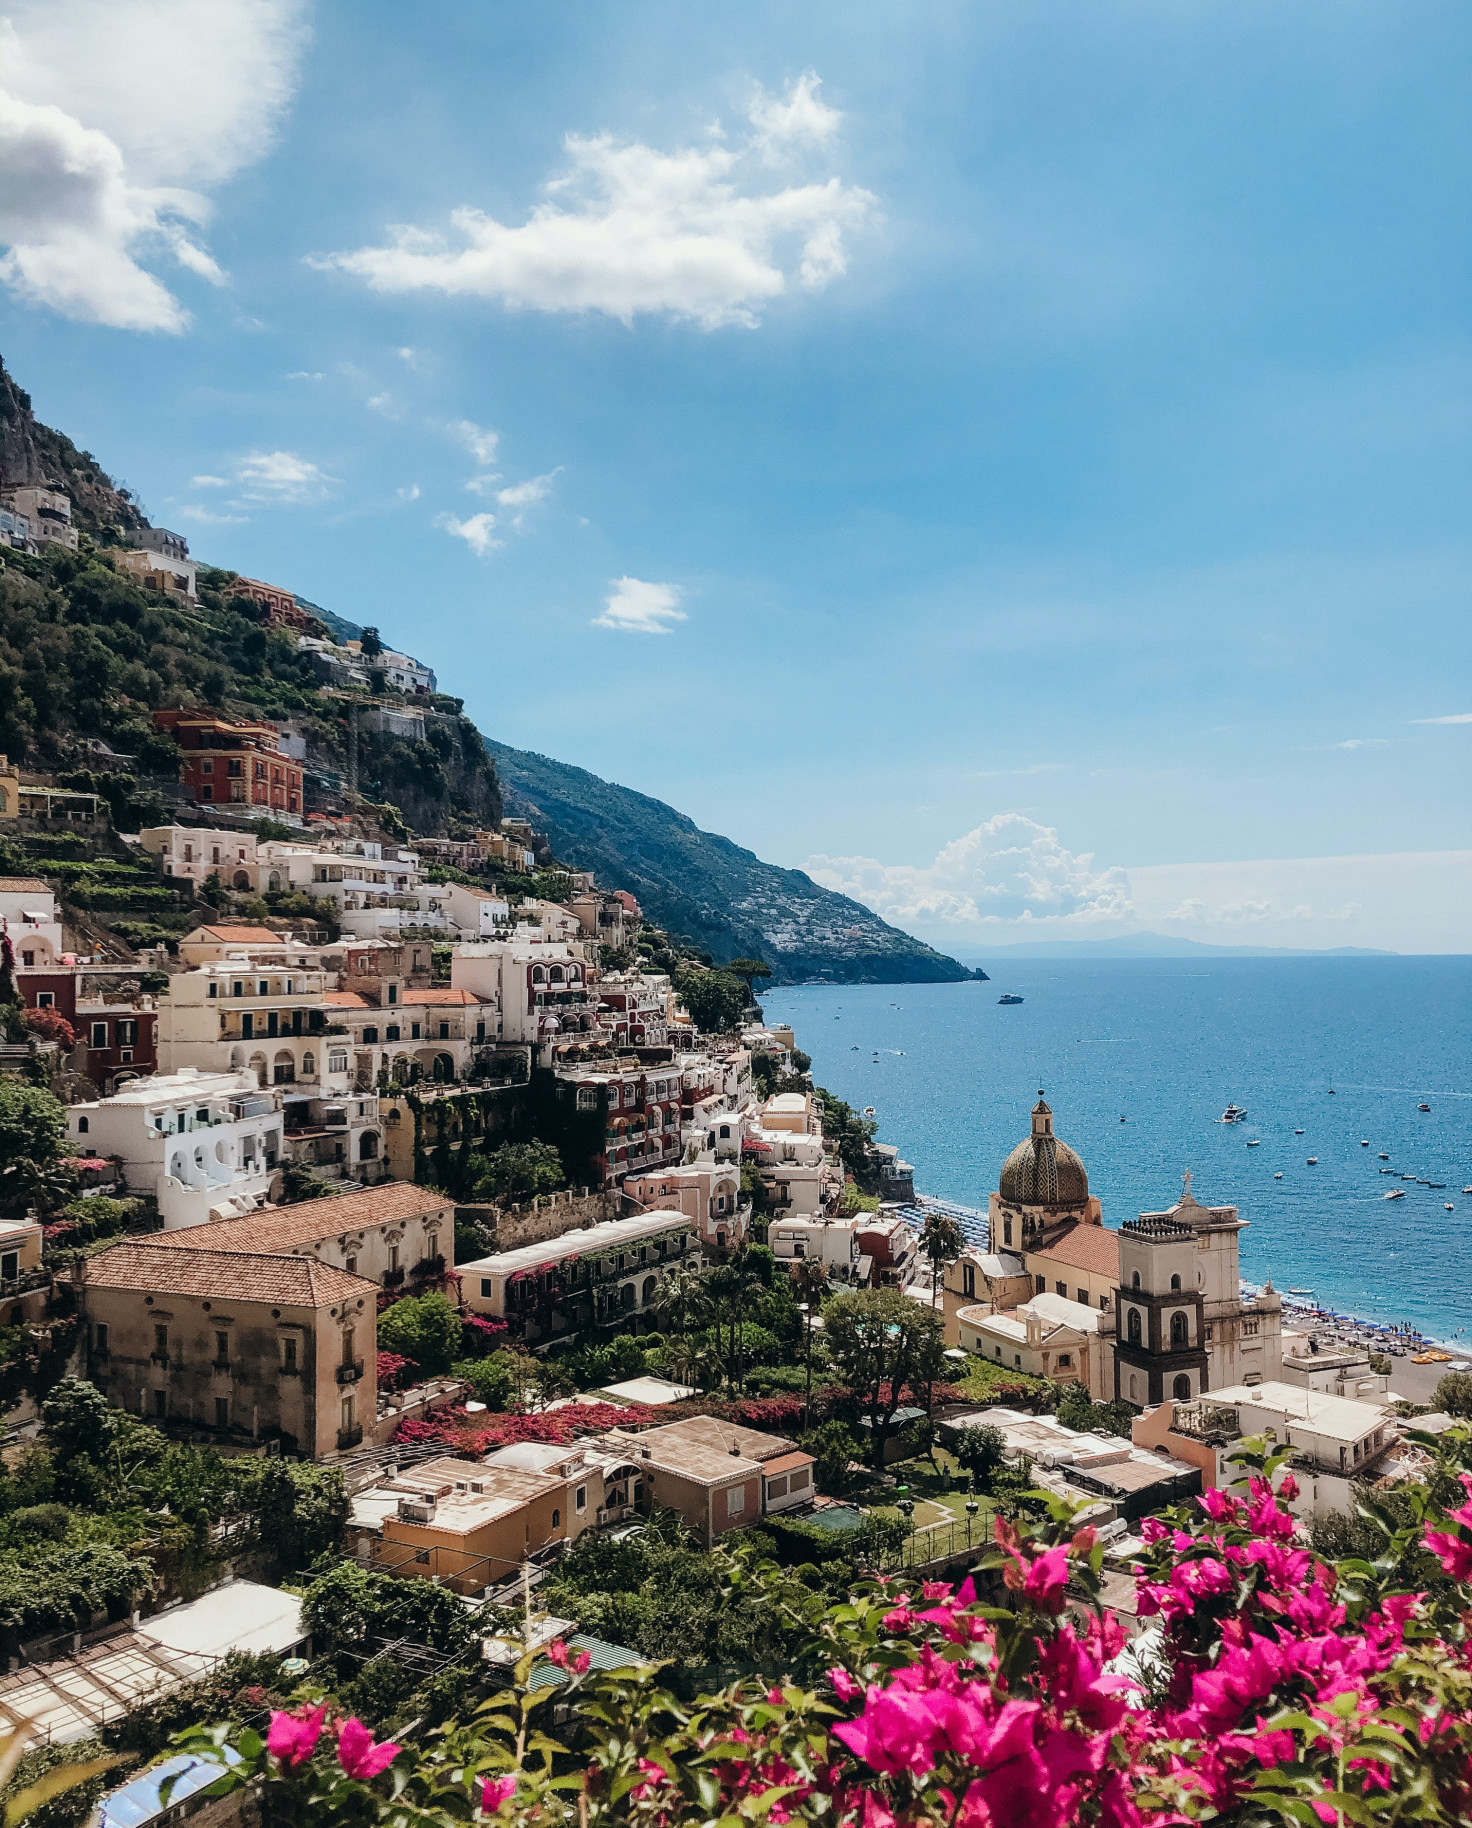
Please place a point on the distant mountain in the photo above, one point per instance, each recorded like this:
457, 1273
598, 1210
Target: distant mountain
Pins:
1161, 945
706, 888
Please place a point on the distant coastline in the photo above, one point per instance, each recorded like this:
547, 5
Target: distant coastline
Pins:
1156, 945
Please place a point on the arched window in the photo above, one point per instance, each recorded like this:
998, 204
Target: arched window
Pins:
1178, 1330
554, 976
1135, 1280
539, 976
368, 1146
1175, 1283
1181, 1389
1134, 1327
242, 881
82, 1125
556, 1519
259, 1067
283, 1070
626, 1295
649, 1288
309, 1066
1134, 1387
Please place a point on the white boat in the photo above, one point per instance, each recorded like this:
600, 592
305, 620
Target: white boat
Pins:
1449, 1207
1397, 1193
1313, 1161
1279, 1175
1234, 1113
1255, 1144
1300, 1291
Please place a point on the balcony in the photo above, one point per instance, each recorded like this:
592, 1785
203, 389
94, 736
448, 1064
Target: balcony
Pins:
349, 1437
393, 1278
351, 1372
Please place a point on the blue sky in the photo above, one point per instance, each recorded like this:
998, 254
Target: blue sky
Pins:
1033, 438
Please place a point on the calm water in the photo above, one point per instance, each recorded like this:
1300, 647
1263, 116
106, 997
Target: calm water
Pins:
1167, 1044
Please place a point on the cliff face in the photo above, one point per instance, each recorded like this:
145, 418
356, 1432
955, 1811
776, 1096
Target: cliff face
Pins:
34, 454
707, 889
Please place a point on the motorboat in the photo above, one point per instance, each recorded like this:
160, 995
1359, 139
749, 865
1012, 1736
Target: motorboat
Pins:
1298, 1132
1364, 1142
1300, 1291
1313, 1161
1385, 1170
1234, 1113
1467, 1190
1383, 1156
1448, 1207
868, 1110
1279, 1175
1397, 1193
1009, 999
1423, 1107
1408, 1177
1255, 1144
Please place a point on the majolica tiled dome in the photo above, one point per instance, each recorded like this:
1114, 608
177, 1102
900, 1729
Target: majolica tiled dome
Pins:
1041, 1171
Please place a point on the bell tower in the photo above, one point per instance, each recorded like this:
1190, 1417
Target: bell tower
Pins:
1160, 1342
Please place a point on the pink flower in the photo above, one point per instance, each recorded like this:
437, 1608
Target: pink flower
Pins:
1453, 1552
581, 1662
844, 1685
357, 1753
497, 1790
557, 1653
1046, 1579
292, 1738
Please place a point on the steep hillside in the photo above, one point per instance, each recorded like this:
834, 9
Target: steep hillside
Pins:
33, 454
703, 886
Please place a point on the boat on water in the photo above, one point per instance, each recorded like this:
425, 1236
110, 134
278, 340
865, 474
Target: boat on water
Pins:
1423, 1107
1255, 1143
1234, 1113
1009, 999
1300, 1291
1448, 1207
1279, 1175
1383, 1156
1298, 1132
1313, 1161
1396, 1193
1364, 1142
868, 1110
1467, 1190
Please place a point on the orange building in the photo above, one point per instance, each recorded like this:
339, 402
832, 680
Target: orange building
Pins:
233, 764
281, 607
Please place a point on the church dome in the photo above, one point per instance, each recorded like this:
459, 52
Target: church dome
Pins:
1041, 1170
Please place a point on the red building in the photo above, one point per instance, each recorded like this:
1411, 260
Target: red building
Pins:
116, 1034
233, 764
281, 607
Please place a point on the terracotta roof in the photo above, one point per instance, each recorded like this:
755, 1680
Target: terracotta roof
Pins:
23, 885
1086, 1247
787, 1463
442, 997
240, 936
345, 999
283, 1228
227, 1275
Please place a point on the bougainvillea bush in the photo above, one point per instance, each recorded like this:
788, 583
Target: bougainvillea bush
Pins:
1276, 1688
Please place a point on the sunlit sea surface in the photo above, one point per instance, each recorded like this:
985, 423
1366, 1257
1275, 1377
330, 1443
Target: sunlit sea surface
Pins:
1166, 1045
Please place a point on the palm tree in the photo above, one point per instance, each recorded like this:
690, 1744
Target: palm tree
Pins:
942, 1240
682, 1300
810, 1285
733, 1284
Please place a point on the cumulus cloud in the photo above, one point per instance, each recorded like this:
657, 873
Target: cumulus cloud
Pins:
282, 478
1008, 869
640, 608
1457, 717
706, 234
482, 444
477, 532
117, 117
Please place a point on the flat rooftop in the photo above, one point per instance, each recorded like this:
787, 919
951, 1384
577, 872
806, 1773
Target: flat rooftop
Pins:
610, 1235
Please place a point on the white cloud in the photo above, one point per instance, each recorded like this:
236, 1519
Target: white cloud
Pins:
523, 494
476, 532
640, 608
210, 518
482, 444
1364, 742
1457, 717
409, 494
700, 234
1008, 869
282, 478
209, 482
305, 374
116, 118
483, 485
379, 403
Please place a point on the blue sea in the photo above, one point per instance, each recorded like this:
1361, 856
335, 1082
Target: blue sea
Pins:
1166, 1044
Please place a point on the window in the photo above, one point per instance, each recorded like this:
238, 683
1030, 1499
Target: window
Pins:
160, 1402
1175, 1284
237, 989
351, 1266
99, 1034
444, 1031
1062, 1288
349, 1336
45, 999
1134, 1327
587, 1097
99, 1336
309, 1065
735, 1500
1134, 1387
413, 1031
214, 990
83, 1125
1181, 1389
1178, 1334
370, 1034
1065, 1361
487, 1287
288, 1356
1135, 1280
222, 1348
1042, 1282
337, 1061
392, 1032
393, 993
160, 1342
263, 987
556, 1518
222, 1412
580, 1498
1083, 1297
1006, 1231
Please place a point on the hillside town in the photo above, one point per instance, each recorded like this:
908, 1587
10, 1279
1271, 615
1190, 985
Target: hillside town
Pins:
461, 1230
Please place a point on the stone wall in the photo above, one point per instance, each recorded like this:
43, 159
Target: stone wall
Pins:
548, 1217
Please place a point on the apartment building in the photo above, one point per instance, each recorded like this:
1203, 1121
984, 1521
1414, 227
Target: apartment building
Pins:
544, 990
707, 1193
234, 763
717, 1475
248, 1013
280, 606
1048, 1336
643, 1127
478, 913
195, 854
203, 1145
829, 1240
159, 560
233, 1346
386, 1235
47, 511
600, 1275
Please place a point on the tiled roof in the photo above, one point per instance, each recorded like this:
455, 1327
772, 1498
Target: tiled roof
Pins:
23, 885
226, 1275
345, 999
442, 997
1086, 1247
284, 1228
239, 936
